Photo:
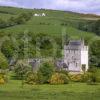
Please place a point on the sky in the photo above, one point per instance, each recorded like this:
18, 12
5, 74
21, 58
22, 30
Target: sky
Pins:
82, 6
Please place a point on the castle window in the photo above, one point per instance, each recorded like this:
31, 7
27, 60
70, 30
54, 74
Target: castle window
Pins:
74, 51
76, 64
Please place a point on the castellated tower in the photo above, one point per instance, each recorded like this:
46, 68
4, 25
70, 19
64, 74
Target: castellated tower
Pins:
76, 56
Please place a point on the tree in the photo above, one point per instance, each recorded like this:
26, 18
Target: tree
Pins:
26, 16
22, 18
97, 27
3, 62
2, 23
8, 49
21, 69
45, 72
12, 21
95, 53
19, 20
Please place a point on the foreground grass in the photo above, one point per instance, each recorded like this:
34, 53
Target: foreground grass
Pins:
72, 91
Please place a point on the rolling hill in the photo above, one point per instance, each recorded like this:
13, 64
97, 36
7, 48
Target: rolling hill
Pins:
52, 24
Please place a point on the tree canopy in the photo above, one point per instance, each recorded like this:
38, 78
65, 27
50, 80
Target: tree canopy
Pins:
95, 53
3, 62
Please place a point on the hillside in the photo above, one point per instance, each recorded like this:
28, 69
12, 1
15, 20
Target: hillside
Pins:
52, 23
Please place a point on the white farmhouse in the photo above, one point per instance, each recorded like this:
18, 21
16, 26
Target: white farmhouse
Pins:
43, 14
76, 56
36, 14
39, 14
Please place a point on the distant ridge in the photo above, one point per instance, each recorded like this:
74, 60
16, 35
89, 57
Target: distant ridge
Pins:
83, 14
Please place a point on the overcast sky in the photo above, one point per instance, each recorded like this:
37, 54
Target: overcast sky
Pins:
83, 6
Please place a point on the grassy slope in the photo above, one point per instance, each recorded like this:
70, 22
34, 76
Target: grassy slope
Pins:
72, 91
50, 13
5, 16
12, 10
52, 21
54, 28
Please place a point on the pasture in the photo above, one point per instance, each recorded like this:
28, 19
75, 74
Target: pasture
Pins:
72, 91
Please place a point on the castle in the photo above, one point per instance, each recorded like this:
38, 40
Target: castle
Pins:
76, 56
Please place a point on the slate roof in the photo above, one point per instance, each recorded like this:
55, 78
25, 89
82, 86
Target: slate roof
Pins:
74, 45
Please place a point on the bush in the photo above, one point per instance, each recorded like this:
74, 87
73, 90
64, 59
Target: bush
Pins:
31, 78
85, 77
45, 72
21, 69
3, 78
2, 81
63, 72
92, 79
92, 69
95, 74
3, 62
76, 77
59, 78
80, 77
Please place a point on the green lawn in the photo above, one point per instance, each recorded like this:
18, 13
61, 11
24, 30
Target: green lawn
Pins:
72, 91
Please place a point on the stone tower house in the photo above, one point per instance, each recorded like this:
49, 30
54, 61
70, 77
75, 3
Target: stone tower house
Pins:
76, 56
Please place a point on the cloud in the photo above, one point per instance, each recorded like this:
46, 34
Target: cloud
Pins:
8, 3
84, 6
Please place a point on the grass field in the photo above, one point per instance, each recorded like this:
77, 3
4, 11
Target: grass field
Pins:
72, 91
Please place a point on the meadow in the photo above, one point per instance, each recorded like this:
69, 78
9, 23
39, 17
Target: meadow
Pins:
72, 91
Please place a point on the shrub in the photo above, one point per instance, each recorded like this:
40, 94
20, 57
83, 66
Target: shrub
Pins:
95, 74
80, 77
85, 77
92, 79
31, 78
3, 78
21, 69
63, 72
3, 62
59, 78
45, 72
2, 81
92, 69
76, 77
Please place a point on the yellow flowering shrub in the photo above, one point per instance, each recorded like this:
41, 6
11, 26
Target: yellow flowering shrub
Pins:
76, 77
59, 78
2, 81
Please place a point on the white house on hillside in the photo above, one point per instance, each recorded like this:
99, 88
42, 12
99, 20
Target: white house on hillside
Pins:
38, 14
76, 56
43, 14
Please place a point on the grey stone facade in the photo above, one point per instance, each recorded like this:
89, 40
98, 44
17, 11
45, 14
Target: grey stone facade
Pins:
74, 54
